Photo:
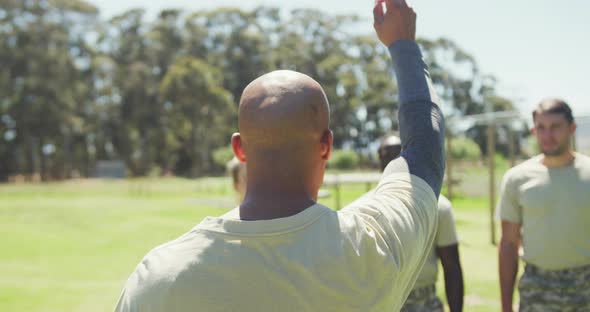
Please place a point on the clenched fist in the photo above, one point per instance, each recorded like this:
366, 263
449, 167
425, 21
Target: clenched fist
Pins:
397, 22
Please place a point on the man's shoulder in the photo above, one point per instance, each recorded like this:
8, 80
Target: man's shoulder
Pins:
446, 219
524, 169
583, 161
397, 192
444, 204
159, 268
533, 162
445, 209
406, 182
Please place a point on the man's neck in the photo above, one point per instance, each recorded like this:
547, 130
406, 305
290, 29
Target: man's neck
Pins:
267, 205
559, 160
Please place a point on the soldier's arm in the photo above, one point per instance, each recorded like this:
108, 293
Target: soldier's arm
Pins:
449, 258
508, 262
420, 119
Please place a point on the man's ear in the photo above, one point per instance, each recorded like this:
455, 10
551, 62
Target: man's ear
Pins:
236, 144
326, 144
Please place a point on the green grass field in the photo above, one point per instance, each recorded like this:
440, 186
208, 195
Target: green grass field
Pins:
70, 246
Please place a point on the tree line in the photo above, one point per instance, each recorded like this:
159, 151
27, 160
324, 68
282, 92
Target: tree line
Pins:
161, 94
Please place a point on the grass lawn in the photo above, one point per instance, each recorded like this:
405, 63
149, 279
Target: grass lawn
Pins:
70, 246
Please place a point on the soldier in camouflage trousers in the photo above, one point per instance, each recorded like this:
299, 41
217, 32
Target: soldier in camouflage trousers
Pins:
555, 290
544, 209
445, 249
423, 299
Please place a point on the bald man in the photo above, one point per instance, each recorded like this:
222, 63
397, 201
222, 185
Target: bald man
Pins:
282, 251
446, 249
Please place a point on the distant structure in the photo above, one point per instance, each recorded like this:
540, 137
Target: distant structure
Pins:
113, 169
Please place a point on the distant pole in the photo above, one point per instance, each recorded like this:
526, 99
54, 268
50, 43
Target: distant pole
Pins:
449, 165
35, 152
491, 166
337, 192
511, 147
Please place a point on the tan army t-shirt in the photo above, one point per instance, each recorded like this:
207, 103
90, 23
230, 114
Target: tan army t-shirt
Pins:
553, 207
446, 235
365, 257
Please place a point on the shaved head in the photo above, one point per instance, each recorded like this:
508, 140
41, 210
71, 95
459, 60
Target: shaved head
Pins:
285, 141
281, 109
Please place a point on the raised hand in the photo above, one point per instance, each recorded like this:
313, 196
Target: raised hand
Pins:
396, 22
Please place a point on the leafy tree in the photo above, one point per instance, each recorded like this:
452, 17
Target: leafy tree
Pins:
201, 108
162, 94
44, 54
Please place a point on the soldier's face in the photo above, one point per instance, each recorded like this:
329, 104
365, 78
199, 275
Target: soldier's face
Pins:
553, 133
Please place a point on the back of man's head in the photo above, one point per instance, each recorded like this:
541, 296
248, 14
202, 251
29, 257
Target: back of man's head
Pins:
390, 149
284, 131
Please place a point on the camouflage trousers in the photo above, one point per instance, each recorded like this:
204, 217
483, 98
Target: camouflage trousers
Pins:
554, 290
423, 299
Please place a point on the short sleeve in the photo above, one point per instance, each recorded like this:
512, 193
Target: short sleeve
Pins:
446, 234
509, 208
401, 214
402, 209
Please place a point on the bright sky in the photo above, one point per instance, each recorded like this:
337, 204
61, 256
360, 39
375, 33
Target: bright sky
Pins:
536, 48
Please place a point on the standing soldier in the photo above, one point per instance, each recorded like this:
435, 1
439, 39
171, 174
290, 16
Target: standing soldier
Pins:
545, 205
446, 249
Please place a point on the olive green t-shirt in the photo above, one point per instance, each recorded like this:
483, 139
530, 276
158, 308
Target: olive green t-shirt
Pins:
553, 207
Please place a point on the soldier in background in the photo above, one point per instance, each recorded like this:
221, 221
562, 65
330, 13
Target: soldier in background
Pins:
446, 249
237, 171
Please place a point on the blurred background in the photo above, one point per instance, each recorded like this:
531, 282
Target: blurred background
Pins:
115, 119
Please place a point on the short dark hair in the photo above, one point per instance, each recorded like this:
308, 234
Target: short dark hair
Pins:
554, 106
390, 149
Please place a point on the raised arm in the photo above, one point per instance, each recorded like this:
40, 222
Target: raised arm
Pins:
421, 121
401, 212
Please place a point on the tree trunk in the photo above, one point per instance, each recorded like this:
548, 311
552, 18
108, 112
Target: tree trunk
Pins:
42, 160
